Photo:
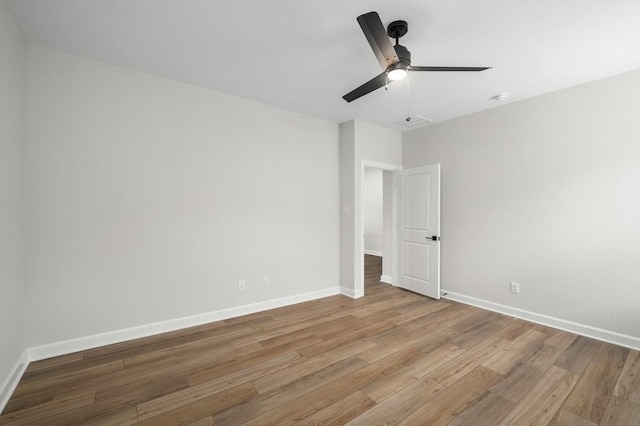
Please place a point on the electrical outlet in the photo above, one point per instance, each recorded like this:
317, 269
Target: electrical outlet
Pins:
265, 281
242, 285
515, 288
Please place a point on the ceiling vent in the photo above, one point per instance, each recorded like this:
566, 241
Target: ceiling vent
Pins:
413, 121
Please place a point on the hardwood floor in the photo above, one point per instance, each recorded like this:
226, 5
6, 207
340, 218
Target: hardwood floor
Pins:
392, 357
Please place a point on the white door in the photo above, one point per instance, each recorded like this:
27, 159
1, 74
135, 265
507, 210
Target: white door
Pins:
418, 245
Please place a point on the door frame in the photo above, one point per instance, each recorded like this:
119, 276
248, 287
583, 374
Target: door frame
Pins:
359, 240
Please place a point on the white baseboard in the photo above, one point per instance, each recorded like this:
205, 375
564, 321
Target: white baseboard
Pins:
117, 336
386, 279
573, 327
351, 293
373, 253
11, 381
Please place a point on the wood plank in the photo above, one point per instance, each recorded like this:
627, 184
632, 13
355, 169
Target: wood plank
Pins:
111, 408
279, 396
418, 310
578, 355
509, 356
628, 386
341, 411
385, 306
311, 313
621, 411
206, 421
461, 365
518, 327
394, 409
40, 413
31, 399
213, 347
516, 384
247, 347
540, 405
414, 338
125, 417
289, 413
288, 337
141, 392
66, 377
304, 366
445, 331
241, 363
591, 395
483, 327
390, 384
445, 406
198, 407
52, 363
560, 339
91, 413
488, 411
210, 387
169, 371
564, 418
340, 388
317, 348
435, 321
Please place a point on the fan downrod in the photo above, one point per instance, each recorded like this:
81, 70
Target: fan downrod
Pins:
397, 29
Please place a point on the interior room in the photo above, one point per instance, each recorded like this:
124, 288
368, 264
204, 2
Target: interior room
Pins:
231, 213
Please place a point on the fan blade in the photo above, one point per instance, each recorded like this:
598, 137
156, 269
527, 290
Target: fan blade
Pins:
378, 40
419, 68
371, 85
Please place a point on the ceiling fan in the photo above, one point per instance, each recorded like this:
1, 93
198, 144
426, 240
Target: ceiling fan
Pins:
394, 60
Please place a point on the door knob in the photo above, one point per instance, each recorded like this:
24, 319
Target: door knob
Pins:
433, 237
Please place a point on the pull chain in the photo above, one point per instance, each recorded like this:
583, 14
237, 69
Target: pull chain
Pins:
408, 106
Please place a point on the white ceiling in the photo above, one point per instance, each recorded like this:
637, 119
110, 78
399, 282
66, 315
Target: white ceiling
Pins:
303, 55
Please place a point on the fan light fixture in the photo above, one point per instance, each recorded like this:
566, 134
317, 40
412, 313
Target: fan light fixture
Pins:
397, 74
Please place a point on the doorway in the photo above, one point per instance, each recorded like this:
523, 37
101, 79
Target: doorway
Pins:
377, 225
411, 214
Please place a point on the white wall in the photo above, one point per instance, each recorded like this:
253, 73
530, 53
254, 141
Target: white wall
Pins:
372, 211
387, 226
361, 145
12, 283
149, 199
348, 173
544, 192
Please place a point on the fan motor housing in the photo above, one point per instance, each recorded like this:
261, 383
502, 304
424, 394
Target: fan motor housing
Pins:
396, 30
403, 54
